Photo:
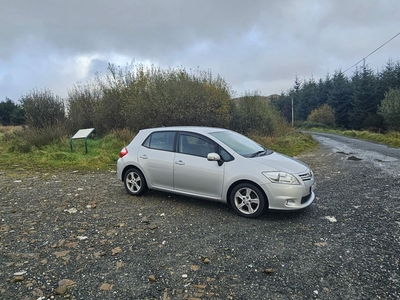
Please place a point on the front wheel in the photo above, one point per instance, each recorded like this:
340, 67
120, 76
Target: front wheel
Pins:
247, 200
135, 183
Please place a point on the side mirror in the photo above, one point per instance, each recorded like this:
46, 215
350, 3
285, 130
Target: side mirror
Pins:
215, 157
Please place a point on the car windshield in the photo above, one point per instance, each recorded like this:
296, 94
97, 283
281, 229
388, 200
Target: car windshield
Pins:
240, 144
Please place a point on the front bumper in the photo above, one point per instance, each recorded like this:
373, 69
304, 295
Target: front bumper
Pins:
289, 197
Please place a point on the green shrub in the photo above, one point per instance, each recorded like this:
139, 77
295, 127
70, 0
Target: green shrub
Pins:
125, 135
175, 97
323, 115
29, 138
389, 109
82, 102
43, 109
254, 115
139, 97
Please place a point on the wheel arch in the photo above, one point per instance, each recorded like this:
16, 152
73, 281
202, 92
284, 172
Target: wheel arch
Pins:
127, 167
233, 185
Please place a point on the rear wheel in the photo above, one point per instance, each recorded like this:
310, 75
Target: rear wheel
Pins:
247, 200
135, 183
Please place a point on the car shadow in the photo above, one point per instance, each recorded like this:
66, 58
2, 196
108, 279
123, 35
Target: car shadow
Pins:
279, 215
226, 209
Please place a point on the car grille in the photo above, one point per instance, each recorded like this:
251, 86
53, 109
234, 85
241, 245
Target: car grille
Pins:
306, 176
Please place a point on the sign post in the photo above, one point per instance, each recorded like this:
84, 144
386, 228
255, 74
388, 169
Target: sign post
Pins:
82, 134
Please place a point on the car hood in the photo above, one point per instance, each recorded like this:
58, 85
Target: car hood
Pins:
280, 162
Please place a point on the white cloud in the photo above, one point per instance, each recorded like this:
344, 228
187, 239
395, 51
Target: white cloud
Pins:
79, 66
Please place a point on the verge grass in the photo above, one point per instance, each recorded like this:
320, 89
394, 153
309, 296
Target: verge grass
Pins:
292, 144
102, 154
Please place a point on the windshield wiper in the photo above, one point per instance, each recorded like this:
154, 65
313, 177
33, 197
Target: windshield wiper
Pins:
259, 153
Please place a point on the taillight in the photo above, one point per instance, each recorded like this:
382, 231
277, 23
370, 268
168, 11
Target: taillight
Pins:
123, 152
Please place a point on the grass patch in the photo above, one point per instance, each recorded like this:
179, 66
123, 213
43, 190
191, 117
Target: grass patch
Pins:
391, 138
290, 144
102, 154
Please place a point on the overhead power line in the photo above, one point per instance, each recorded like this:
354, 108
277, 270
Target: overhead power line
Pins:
363, 59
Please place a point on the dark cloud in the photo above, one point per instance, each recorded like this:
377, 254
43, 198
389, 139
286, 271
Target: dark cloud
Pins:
254, 45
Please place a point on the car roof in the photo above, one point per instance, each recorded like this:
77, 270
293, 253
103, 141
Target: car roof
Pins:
199, 129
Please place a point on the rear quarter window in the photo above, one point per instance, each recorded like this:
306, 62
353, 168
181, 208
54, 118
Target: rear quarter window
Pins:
162, 140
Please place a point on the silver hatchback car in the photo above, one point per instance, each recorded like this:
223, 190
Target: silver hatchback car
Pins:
215, 164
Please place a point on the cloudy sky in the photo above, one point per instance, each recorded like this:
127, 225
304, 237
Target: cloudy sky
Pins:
254, 44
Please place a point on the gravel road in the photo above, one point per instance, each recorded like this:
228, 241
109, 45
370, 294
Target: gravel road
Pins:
78, 235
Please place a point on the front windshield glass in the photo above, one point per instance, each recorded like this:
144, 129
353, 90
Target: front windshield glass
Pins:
240, 144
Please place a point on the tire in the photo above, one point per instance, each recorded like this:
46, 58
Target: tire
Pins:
134, 182
247, 200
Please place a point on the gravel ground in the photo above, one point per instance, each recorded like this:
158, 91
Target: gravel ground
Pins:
78, 235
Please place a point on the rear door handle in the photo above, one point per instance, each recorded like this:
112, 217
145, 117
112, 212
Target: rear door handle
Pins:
144, 156
179, 162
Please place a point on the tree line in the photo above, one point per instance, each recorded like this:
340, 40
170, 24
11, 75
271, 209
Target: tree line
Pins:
136, 97
364, 100
11, 113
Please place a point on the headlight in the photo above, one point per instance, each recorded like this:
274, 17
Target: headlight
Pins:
281, 177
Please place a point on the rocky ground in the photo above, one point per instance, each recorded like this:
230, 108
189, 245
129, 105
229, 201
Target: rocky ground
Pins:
78, 235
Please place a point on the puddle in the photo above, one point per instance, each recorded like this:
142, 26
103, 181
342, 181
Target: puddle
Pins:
344, 153
354, 158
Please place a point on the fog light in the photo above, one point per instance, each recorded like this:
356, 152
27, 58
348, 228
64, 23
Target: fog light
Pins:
290, 202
